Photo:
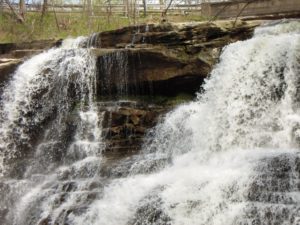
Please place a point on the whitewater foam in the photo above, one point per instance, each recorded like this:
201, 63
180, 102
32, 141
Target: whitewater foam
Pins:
207, 154
229, 157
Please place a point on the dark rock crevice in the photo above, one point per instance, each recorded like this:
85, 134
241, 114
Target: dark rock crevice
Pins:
148, 72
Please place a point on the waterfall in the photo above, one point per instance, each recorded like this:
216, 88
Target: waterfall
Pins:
231, 156
113, 69
49, 122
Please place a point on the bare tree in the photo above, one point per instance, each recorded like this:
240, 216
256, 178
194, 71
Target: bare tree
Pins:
109, 11
17, 16
44, 9
131, 10
241, 11
125, 3
89, 7
135, 11
145, 7
56, 20
164, 13
22, 8
161, 4
232, 2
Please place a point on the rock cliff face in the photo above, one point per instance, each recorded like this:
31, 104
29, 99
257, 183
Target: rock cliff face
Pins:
151, 60
13, 54
154, 60
125, 125
157, 59
164, 59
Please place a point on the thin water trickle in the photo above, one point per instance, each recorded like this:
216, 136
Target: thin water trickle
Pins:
114, 74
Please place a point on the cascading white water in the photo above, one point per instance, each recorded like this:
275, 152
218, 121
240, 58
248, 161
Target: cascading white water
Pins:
231, 156
49, 120
46, 84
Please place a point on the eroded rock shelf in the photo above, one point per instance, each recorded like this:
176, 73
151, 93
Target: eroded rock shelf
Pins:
160, 65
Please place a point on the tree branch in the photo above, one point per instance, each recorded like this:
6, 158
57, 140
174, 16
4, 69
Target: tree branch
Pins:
18, 17
164, 13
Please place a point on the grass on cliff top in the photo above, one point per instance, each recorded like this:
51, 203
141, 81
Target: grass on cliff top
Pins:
69, 24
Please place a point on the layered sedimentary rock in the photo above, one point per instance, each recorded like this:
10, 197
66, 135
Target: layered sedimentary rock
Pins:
71, 135
159, 59
147, 60
162, 59
13, 54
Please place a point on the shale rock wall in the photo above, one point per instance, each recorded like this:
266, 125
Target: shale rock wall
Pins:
163, 59
151, 60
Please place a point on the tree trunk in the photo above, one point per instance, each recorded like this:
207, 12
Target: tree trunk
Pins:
161, 4
125, 3
134, 11
44, 9
89, 7
89, 14
108, 11
145, 7
19, 18
56, 20
22, 8
164, 13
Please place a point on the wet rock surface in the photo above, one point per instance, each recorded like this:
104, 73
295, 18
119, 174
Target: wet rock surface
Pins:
7, 66
13, 54
154, 59
9, 48
159, 59
173, 34
272, 197
162, 59
125, 125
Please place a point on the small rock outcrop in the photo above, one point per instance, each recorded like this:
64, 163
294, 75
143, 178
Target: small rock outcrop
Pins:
126, 124
7, 66
13, 54
163, 59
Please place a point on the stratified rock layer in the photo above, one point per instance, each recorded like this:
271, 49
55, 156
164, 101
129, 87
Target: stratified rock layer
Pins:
147, 60
163, 59
13, 54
